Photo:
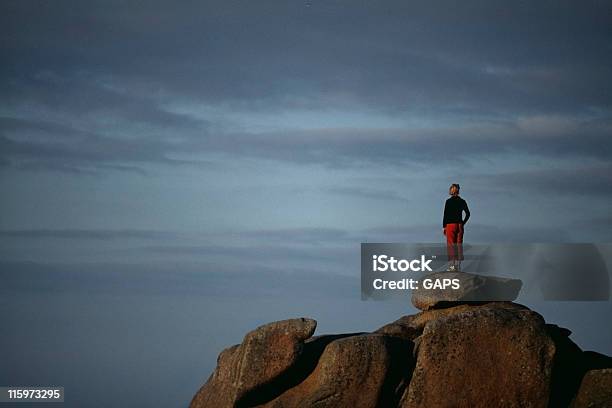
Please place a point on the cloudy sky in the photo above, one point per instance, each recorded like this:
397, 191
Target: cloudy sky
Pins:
203, 139
205, 116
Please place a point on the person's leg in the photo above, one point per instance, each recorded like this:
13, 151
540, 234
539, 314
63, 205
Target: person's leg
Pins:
459, 245
451, 240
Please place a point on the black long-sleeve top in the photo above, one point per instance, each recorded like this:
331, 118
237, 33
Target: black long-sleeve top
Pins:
453, 211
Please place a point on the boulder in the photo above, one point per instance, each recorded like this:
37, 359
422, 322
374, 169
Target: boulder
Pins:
482, 357
263, 356
411, 326
473, 288
369, 370
595, 390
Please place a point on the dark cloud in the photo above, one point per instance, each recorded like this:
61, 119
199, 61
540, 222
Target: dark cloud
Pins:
44, 145
87, 96
490, 78
81, 234
578, 180
404, 146
152, 279
476, 232
97, 87
368, 193
485, 56
263, 243
300, 235
52, 145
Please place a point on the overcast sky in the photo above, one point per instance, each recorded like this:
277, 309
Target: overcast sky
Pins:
281, 134
216, 116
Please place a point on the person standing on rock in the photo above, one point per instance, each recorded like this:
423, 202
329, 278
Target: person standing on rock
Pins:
453, 224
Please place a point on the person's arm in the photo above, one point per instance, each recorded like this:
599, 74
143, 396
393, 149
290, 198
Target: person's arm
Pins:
445, 218
467, 212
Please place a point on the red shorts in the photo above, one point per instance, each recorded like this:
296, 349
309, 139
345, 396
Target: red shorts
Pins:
454, 242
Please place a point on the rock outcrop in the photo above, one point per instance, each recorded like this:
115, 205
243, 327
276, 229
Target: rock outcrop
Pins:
472, 288
453, 354
483, 357
365, 370
264, 356
595, 390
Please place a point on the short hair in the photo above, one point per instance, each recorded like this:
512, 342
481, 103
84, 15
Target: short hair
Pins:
454, 189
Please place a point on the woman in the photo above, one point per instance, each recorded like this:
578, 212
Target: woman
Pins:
453, 224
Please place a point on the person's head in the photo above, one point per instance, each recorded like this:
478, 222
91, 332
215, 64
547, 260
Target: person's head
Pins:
454, 189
